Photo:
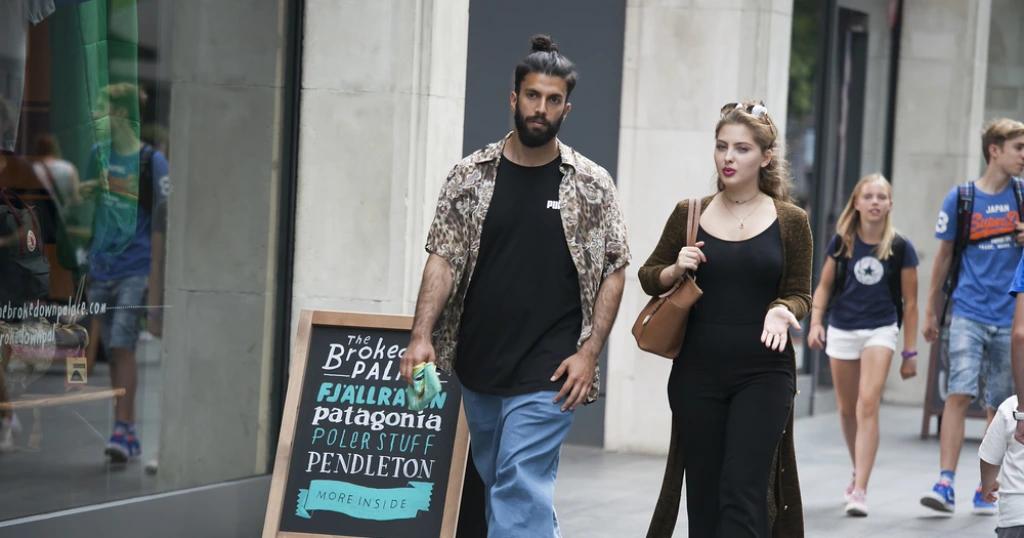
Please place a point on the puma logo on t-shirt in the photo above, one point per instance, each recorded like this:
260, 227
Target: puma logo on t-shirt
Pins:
554, 204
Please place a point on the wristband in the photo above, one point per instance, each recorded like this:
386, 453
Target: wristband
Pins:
908, 354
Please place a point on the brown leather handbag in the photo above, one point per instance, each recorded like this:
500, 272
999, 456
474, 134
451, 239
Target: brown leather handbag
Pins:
661, 325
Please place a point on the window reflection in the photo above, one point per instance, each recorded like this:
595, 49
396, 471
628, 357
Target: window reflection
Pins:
86, 185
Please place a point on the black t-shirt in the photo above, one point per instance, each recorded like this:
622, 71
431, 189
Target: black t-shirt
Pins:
522, 314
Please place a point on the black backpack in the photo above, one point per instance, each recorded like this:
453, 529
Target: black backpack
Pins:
893, 273
24, 269
146, 178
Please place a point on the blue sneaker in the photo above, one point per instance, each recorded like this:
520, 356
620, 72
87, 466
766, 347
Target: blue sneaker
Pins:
940, 498
123, 445
983, 507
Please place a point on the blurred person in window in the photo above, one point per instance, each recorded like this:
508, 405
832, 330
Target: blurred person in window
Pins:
59, 176
70, 225
128, 180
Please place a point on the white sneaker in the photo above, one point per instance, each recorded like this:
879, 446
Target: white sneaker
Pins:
857, 506
849, 489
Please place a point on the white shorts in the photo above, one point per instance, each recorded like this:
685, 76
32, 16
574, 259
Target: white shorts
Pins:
847, 345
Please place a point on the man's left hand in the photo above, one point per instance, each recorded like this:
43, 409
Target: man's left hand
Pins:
579, 372
1020, 234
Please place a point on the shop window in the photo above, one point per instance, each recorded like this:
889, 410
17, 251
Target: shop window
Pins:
100, 358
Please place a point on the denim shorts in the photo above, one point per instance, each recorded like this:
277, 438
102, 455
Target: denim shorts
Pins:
120, 324
978, 351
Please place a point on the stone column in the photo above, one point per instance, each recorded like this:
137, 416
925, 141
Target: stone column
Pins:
684, 59
217, 362
1004, 96
383, 93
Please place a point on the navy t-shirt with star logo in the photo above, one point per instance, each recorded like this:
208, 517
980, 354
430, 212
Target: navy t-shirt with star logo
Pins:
863, 301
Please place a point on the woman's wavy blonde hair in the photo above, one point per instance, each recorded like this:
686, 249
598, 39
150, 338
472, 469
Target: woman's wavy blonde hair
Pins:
773, 179
849, 221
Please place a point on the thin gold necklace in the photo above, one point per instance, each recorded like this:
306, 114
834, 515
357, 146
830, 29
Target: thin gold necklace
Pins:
745, 217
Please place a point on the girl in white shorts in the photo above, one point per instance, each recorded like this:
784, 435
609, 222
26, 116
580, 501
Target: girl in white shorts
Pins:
868, 287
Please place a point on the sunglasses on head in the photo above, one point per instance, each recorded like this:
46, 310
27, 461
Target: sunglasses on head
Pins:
757, 110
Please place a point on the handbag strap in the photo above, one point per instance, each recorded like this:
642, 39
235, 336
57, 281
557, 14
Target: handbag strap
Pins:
51, 183
692, 221
8, 198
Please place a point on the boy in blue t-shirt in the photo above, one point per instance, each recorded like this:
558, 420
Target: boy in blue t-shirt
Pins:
982, 312
130, 181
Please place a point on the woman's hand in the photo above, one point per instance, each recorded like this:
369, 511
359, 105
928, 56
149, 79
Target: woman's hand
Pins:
909, 367
777, 322
816, 337
689, 258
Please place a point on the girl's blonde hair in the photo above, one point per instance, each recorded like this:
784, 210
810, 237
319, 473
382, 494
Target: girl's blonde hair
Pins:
849, 221
773, 179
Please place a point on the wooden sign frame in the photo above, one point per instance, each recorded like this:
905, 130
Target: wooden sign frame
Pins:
289, 419
934, 404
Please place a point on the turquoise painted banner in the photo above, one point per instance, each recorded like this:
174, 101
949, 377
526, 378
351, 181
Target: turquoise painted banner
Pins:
361, 502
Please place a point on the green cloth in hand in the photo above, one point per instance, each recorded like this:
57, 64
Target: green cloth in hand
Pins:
425, 385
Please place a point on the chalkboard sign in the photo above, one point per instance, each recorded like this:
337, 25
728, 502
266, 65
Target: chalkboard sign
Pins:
352, 460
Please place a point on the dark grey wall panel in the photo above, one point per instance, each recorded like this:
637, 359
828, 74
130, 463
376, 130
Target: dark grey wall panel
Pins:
591, 34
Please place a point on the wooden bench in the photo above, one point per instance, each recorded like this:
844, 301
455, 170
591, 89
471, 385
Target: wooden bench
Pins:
85, 394
36, 402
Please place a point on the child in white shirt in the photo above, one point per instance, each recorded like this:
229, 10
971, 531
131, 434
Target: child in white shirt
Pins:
1003, 456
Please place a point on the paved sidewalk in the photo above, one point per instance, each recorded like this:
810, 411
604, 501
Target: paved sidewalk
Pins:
604, 494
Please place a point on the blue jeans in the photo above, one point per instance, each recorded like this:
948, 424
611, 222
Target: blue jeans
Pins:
516, 440
979, 351
120, 325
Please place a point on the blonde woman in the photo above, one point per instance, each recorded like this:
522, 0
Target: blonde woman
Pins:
868, 287
731, 388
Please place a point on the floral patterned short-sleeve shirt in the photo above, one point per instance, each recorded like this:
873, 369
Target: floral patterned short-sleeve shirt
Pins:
591, 219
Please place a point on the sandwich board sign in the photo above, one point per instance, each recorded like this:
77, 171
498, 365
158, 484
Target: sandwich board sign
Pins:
352, 460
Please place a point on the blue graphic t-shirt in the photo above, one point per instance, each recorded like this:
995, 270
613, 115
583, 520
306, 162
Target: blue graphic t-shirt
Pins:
990, 258
111, 263
864, 300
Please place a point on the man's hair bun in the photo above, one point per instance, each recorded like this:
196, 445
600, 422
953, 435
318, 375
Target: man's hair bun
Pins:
542, 43
545, 58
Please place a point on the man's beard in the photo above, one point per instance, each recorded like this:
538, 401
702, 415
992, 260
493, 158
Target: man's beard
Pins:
531, 138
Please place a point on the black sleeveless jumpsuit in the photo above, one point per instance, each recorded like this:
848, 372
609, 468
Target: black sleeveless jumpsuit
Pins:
730, 395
